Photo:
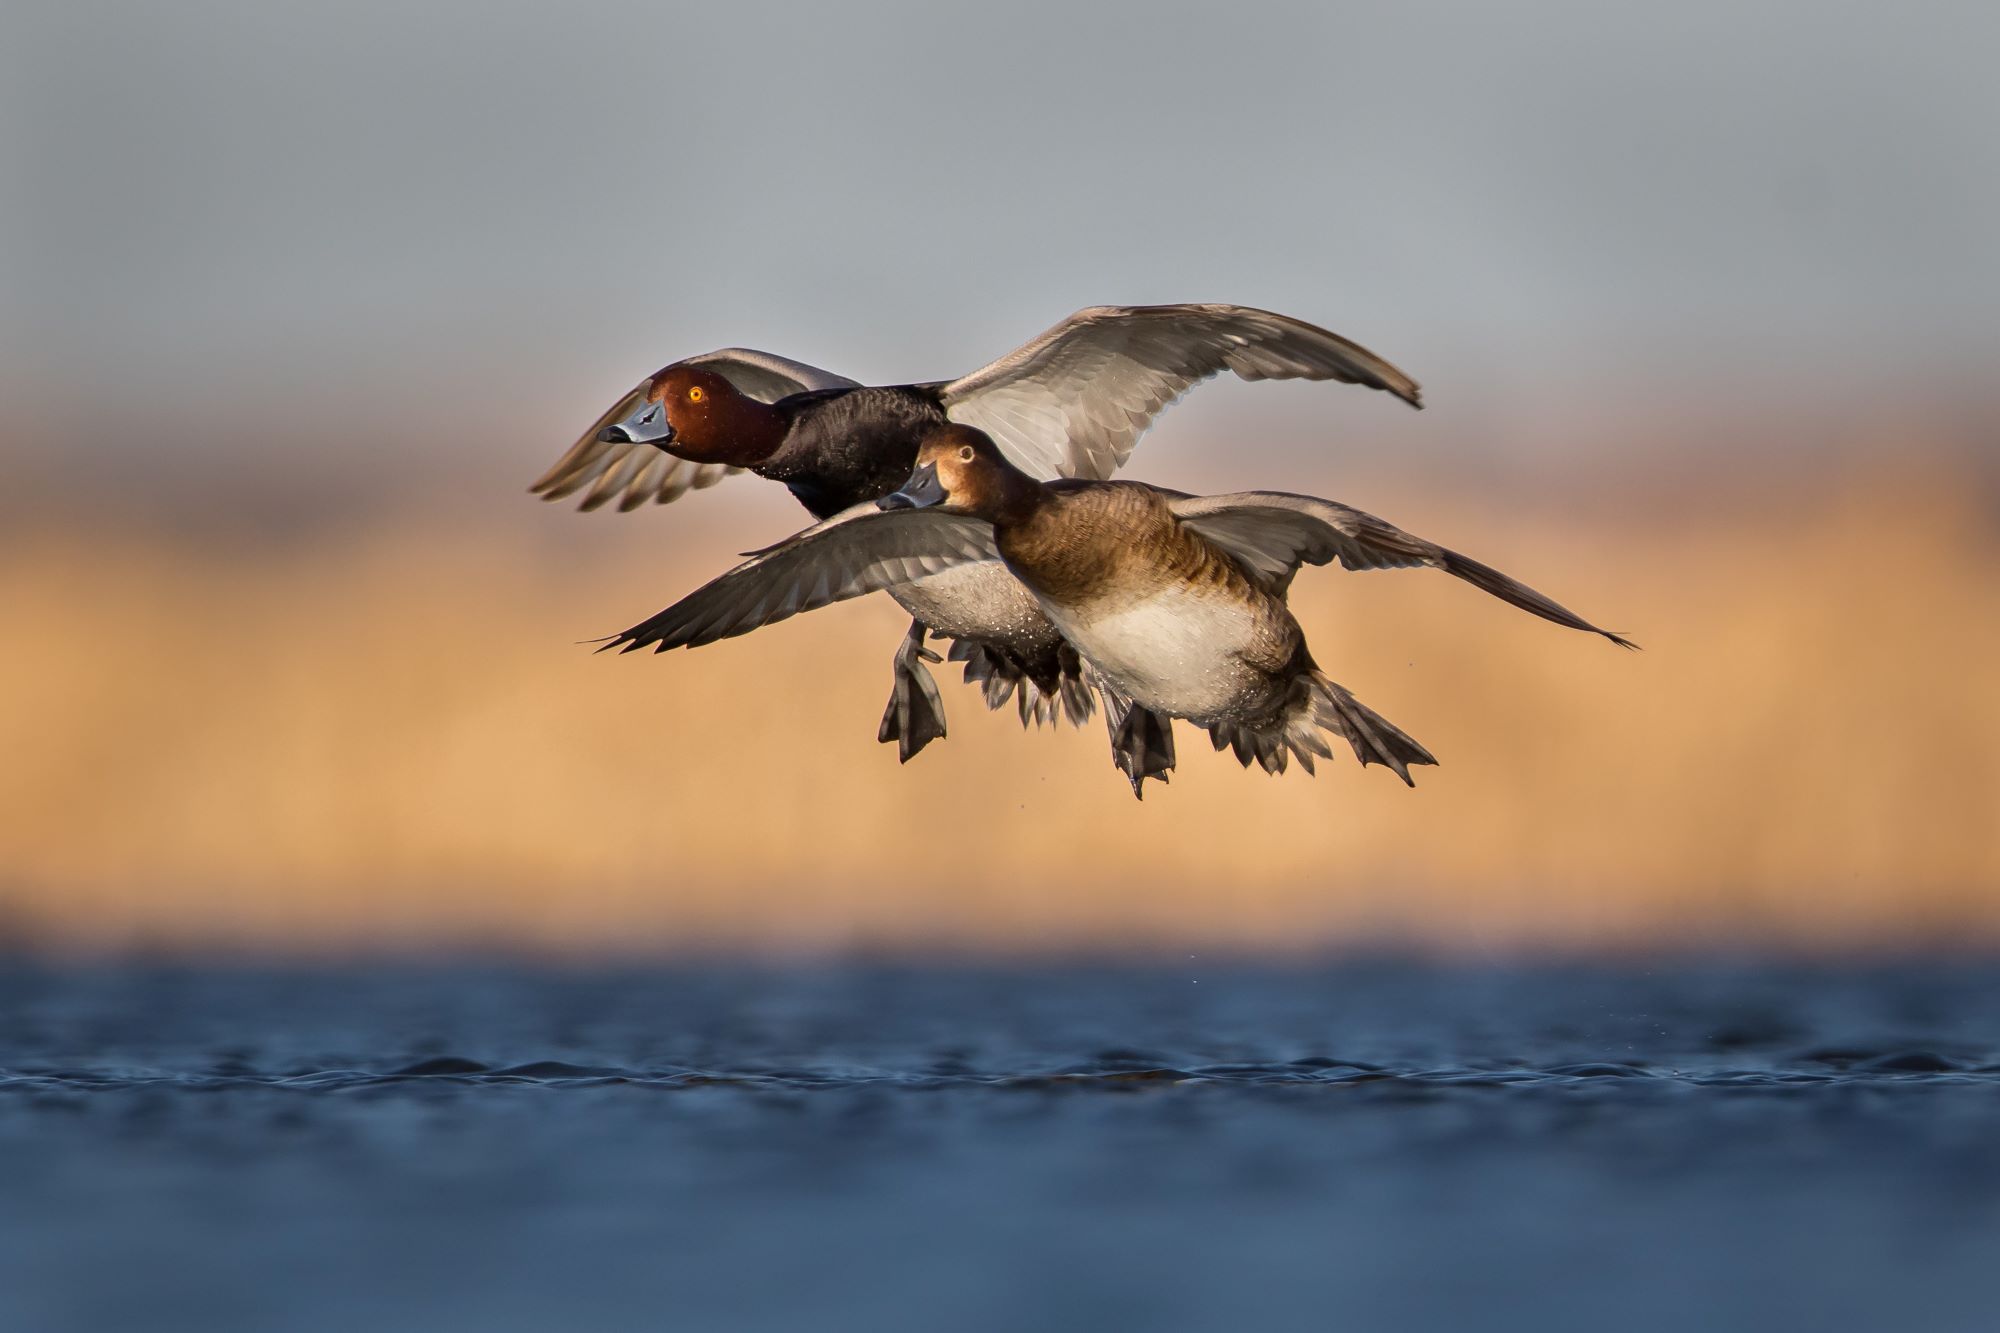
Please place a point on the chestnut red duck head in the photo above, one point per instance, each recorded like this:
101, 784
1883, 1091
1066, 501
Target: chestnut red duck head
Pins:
695, 413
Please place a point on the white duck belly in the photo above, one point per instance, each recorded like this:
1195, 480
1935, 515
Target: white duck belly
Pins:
1175, 651
981, 601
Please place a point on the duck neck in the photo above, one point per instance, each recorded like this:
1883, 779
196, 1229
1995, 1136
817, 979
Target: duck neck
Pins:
1015, 499
740, 432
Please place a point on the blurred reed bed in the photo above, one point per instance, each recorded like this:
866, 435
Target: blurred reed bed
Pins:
390, 738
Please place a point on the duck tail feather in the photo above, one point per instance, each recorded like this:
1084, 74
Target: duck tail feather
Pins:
1296, 734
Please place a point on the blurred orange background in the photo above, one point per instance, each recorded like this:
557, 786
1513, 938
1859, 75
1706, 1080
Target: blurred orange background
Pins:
390, 736
297, 300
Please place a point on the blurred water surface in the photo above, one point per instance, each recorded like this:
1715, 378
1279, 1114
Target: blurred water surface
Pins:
1189, 1145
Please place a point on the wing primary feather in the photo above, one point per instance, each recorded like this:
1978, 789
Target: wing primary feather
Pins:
1488, 579
1271, 533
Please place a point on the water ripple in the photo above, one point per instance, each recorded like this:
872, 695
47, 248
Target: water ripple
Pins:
1890, 1069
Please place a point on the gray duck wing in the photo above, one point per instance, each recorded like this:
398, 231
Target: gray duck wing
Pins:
1074, 401
1271, 533
859, 550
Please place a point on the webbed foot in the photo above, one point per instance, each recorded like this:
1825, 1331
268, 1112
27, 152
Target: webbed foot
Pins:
1142, 741
915, 715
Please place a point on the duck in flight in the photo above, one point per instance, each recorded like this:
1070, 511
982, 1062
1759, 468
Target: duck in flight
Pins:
1071, 404
1175, 603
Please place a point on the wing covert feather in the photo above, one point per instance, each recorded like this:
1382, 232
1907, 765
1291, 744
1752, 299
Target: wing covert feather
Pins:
1074, 401
857, 551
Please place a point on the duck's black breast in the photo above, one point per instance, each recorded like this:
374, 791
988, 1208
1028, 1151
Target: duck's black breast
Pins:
845, 446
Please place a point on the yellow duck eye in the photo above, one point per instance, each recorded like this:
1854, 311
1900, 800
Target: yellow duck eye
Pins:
695, 394
965, 453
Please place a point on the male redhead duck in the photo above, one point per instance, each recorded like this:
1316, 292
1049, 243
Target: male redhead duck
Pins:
1176, 603
1070, 404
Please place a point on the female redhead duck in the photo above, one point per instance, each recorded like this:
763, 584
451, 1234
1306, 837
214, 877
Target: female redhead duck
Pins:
1176, 603
1070, 404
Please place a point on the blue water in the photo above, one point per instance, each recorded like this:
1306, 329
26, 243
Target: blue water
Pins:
1186, 1146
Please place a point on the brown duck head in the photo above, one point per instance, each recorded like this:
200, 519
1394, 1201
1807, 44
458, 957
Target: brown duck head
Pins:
960, 470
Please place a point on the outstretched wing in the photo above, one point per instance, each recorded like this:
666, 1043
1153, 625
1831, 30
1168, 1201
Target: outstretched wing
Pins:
859, 550
636, 473
1271, 533
1074, 402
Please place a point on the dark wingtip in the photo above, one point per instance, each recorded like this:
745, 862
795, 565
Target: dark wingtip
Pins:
1621, 640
